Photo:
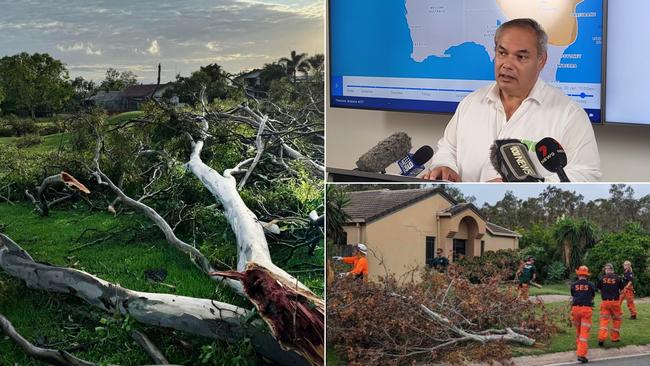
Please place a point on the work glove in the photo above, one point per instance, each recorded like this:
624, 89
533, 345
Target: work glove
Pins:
337, 258
342, 275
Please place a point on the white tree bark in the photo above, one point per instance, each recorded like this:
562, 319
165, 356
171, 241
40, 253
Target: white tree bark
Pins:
254, 259
202, 317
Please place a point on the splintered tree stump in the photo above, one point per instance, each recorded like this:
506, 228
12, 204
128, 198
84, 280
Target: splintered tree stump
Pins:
295, 316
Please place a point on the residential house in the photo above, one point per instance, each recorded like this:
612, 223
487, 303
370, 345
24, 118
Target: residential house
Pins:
404, 228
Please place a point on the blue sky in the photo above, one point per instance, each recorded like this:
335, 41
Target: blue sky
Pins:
492, 192
90, 36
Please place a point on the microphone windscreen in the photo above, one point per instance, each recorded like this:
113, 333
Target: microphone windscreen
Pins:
386, 152
510, 158
551, 154
423, 154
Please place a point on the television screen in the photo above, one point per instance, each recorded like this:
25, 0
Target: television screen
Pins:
628, 52
427, 55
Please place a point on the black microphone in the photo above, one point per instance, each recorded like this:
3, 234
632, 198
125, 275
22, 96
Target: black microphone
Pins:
385, 153
552, 156
510, 158
413, 164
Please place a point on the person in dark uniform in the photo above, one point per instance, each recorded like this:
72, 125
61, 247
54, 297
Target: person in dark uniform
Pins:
440, 262
582, 303
628, 290
610, 286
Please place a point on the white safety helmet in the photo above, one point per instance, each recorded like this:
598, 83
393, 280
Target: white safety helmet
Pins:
362, 248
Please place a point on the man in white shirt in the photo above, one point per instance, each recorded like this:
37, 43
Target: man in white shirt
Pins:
519, 105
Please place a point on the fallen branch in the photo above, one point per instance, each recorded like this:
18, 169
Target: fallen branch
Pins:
41, 203
56, 357
202, 317
149, 347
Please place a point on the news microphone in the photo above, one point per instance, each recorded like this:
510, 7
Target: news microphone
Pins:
385, 153
552, 156
413, 164
510, 158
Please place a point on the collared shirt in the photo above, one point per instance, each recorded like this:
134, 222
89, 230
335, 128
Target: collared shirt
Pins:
547, 112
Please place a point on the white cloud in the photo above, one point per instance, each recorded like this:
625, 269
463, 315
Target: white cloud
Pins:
88, 48
154, 49
213, 46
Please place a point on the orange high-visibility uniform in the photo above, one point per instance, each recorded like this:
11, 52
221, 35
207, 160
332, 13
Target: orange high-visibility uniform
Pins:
523, 291
610, 310
582, 292
359, 266
628, 293
610, 286
581, 316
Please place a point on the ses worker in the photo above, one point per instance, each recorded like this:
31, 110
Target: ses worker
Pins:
519, 105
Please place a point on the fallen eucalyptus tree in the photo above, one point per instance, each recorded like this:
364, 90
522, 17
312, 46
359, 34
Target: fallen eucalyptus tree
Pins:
202, 317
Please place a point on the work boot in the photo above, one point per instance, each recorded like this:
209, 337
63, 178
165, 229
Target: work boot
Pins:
583, 359
601, 343
633, 317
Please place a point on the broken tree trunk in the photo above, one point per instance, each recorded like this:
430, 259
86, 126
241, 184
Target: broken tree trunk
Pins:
40, 201
202, 317
253, 255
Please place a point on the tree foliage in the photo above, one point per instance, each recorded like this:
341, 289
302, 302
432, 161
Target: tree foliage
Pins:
633, 244
212, 77
337, 199
575, 239
33, 84
387, 323
116, 80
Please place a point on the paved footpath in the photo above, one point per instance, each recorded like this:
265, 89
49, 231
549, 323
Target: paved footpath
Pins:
625, 356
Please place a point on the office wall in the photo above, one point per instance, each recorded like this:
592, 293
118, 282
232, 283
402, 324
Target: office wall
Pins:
624, 149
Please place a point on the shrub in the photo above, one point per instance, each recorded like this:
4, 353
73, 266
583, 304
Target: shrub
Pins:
503, 262
556, 272
631, 244
13, 126
28, 141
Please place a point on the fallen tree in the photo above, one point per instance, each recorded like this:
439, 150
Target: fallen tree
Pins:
283, 302
202, 317
149, 157
434, 318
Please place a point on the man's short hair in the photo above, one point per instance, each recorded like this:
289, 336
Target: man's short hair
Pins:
527, 23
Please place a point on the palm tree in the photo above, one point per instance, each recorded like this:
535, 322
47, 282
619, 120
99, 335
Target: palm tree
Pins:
316, 63
335, 216
574, 238
295, 63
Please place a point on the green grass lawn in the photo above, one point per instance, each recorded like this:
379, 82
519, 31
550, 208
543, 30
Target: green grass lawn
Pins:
66, 320
551, 289
54, 141
122, 117
49, 143
633, 332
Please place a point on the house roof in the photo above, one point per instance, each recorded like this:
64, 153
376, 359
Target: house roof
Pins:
458, 208
367, 206
255, 73
497, 230
142, 90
